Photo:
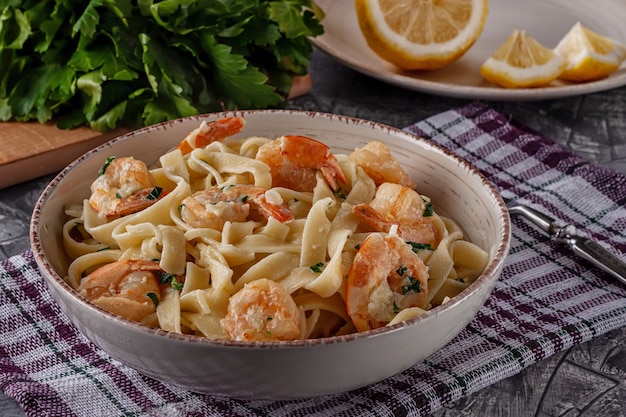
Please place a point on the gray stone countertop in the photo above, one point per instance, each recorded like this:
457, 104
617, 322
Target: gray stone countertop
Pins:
587, 380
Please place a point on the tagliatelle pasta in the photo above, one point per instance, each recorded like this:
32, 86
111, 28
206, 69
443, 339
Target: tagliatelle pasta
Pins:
236, 256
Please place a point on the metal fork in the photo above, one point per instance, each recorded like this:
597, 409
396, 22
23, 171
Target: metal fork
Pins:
568, 235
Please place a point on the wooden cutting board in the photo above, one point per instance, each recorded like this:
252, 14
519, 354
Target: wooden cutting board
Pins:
30, 150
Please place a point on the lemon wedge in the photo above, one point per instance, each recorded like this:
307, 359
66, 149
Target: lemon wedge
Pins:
522, 62
421, 34
589, 56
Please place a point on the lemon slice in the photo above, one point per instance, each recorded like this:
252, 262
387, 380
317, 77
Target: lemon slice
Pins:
522, 62
589, 56
421, 34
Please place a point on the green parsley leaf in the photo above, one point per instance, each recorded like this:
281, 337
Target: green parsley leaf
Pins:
87, 22
416, 247
396, 309
177, 285
429, 211
317, 267
153, 297
340, 194
165, 278
155, 193
105, 64
106, 165
413, 286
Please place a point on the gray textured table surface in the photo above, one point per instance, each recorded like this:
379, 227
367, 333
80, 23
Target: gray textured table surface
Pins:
588, 380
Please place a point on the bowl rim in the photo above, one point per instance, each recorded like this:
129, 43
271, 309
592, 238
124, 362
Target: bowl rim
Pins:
486, 278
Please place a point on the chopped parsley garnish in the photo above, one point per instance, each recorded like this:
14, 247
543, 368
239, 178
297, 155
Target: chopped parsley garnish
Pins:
164, 278
340, 194
118, 195
106, 165
154, 298
103, 248
177, 285
396, 309
317, 267
155, 193
244, 198
428, 210
180, 211
413, 286
420, 246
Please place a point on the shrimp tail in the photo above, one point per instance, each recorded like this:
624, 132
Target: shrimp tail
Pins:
332, 173
420, 232
373, 218
314, 154
207, 133
280, 212
126, 287
100, 280
139, 201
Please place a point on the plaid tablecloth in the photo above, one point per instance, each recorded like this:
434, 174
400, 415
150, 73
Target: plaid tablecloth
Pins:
546, 301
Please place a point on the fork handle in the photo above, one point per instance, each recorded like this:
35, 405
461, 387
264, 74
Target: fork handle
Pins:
541, 220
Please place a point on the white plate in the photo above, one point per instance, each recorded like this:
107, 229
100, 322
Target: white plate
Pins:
545, 20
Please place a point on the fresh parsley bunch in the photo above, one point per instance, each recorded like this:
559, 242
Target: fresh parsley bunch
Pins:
108, 63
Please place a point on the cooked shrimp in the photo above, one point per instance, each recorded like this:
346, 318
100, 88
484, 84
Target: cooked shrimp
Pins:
213, 207
124, 186
294, 161
217, 130
124, 287
401, 206
386, 276
380, 165
262, 311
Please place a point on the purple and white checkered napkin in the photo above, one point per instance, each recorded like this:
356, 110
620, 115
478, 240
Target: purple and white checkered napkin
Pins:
546, 301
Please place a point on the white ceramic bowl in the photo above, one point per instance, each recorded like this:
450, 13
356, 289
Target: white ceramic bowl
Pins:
281, 370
